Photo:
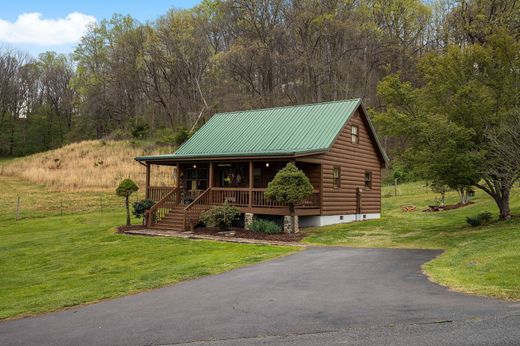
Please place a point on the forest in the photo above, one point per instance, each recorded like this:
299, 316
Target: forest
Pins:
440, 79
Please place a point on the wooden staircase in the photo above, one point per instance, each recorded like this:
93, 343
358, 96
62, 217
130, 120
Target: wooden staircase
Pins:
172, 221
169, 215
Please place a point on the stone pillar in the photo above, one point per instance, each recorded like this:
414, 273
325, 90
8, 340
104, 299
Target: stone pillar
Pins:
248, 220
287, 224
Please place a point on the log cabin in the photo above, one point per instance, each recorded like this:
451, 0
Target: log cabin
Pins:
235, 155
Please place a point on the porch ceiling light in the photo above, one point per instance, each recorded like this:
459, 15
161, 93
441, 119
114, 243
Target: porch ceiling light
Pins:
194, 166
267, 164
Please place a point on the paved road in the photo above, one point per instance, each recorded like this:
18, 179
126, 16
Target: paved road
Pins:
315, 297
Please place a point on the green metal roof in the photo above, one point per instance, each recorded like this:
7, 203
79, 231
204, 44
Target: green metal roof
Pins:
265, 132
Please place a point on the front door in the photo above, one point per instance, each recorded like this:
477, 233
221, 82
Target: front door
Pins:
196, 183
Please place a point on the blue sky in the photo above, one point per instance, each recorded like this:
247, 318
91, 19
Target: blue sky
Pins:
61, 23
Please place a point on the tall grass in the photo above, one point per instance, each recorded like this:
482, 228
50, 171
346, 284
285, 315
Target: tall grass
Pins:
89, 166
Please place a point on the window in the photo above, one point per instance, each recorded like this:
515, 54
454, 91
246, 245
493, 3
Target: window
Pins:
197, 179
336, 177
368, 180
234, 175
355, 134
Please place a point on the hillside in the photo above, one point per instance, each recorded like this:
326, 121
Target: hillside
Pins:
88, 166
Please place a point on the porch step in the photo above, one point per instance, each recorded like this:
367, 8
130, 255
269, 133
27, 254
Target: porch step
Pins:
163, 227
173, 221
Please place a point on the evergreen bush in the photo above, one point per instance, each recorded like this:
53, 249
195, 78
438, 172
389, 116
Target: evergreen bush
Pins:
221, 216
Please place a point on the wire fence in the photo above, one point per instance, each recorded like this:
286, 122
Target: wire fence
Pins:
19, 206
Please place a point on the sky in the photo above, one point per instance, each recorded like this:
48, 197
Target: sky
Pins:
36, 26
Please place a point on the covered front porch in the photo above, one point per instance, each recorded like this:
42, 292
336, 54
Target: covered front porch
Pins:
199, 184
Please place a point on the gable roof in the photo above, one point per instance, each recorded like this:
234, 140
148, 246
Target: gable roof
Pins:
280, 131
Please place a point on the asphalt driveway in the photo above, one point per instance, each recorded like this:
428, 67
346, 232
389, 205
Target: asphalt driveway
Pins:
315, 297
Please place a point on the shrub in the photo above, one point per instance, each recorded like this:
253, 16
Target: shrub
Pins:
485, 217
481, 219
118, 135
291, 186
182, 136
164, 136
140, 207
473, 221
265, 226
220, 216
140, 130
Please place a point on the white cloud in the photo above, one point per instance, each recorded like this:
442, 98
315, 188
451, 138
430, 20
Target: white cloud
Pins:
31, 28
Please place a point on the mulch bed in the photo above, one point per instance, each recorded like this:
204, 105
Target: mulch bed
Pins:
434, 208
242, 233
124, 228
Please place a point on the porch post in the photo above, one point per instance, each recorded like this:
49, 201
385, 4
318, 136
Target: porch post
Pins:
178, 182
322, 190
210, 183
250, 185
211, 174
147, 183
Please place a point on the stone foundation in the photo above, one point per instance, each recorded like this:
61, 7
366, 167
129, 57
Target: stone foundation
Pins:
287, 225
248, 220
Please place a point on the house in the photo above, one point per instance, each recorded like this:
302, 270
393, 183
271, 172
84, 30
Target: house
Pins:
235, 155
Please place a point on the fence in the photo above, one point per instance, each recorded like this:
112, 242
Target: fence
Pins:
18, 205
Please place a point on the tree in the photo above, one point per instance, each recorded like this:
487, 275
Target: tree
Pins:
291, 186
502, 162
125, 189
458, 121
440, 188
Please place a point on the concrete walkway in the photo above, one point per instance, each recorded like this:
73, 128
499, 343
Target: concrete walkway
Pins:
317, 296
192, 235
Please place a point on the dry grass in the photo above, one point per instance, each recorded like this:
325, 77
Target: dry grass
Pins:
88, 166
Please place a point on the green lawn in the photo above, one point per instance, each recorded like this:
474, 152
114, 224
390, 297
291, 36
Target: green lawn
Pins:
36, 201
483, 260
47, 263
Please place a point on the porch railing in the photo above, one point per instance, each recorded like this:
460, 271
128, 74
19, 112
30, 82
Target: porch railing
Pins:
234, 196
193, 211
259, 200
162, 207
156, 193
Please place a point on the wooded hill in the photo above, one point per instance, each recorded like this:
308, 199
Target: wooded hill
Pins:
128, 79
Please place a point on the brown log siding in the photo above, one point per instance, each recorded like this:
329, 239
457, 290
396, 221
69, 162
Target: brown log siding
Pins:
354, 160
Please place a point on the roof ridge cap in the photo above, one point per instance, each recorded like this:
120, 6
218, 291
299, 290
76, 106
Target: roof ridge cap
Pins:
288, 106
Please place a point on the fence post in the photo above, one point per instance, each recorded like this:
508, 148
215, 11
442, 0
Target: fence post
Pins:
61, 208
101, 202
17, 208
395, 187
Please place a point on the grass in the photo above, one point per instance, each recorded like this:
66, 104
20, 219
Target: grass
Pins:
38, 201
48, 261
88, 166
482, 260
4, 160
